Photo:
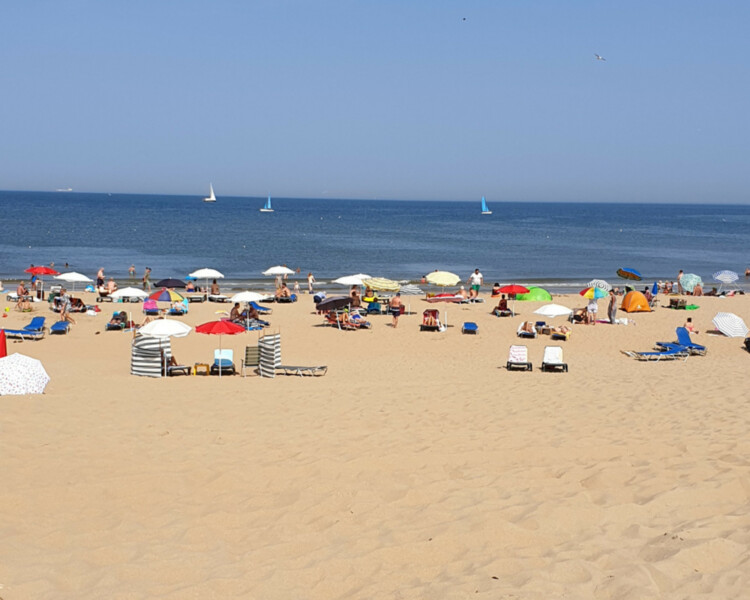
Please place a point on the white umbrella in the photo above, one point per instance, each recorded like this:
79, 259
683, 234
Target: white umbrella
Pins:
442, 278
248, 297
21, 374
553, 310
600, 283
726, 278
165, 328
278, 270
730, 325
73, 277
128, 292
206, 274
357, 279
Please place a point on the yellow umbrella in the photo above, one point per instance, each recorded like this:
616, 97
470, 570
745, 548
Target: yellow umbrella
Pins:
442, 278
381, 284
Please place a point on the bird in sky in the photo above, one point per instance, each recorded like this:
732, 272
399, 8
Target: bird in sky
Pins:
600, 58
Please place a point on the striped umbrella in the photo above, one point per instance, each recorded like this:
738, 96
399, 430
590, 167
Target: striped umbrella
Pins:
600, 283
730, 325
593, 292
165, 295
725, 276
381, 284
411, 290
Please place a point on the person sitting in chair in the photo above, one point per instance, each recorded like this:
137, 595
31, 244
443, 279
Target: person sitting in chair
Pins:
462, 292
235, 314
283, 291
190, 287
502, 307
495, 289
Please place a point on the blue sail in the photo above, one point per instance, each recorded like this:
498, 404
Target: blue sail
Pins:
484, 206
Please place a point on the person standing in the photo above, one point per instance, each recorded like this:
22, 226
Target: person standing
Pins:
131, 273
612, 308
65, 306
591, 309
100, 277
395, 308
147, 280
475, 281
310, 282
679, 283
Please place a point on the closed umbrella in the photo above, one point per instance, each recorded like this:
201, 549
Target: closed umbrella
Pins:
689, 280
3, 344
730, 325
20, 374
220, 328
553, 310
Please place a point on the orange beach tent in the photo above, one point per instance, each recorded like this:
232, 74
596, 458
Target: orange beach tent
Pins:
635, 302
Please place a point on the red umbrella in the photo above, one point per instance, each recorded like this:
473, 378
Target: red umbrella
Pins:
3, 347
220, 328
512, 290
40, 270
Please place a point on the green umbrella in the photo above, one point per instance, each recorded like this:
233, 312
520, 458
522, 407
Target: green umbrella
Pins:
535, 293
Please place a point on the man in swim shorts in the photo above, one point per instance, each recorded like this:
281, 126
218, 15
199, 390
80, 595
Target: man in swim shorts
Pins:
395, 309
475, 281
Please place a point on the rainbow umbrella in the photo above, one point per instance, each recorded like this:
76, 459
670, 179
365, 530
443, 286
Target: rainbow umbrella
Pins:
165, 295
593, 292
628, 273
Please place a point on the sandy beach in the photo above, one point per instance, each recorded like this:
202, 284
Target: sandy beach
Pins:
417, 467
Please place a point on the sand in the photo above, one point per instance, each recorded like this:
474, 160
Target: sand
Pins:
418, 467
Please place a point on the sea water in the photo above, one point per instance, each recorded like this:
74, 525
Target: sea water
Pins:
557, 245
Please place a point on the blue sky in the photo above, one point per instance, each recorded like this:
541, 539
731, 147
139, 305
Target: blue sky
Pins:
386, 99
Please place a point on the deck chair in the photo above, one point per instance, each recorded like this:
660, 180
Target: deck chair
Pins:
118, 322
151, 308
518, 358
251, 360
522, 333
223, 361
683, 339
301, 371
262, 310
562, 336
553, 359
339, 320
33, 331
180, 312
218, 298
286, 299
673, 353
176, 369
60, 328
374, 308
469, 327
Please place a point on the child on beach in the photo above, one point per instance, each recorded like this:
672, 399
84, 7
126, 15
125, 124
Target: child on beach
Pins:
689, 325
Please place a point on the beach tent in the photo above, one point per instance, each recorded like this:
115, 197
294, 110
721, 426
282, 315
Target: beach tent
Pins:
635, 302
146, 357
535, 294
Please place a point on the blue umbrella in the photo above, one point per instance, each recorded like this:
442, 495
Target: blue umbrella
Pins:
628, 273
655, 288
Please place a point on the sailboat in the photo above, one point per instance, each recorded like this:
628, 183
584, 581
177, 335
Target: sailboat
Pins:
485, 209
211, 196
267, 205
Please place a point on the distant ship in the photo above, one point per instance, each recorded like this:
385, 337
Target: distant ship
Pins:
267, 205
64, 190
211, 196
485, 208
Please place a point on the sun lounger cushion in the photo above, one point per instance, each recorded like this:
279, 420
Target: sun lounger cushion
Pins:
61, 327
469, 327
518, 357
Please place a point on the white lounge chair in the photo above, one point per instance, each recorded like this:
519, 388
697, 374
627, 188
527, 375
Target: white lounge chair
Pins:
518, 357
553, 359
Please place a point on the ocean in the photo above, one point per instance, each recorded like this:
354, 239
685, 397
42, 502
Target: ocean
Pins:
559, 246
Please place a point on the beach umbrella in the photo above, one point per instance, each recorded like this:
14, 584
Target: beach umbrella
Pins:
725, 276
41, 270
3, 344
352, 279
21, 374
165, 328
128, 292
220, 328
247, 297
279, 270
553, 310
514, 289
206, 274
655, 288
442, 278
165, 295
381, 284
333, 303
535, 294
628, 273
689, 280
73, 277
600, 283
730, 325
170, 283
593, 292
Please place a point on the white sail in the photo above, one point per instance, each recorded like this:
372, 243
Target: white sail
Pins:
211, 196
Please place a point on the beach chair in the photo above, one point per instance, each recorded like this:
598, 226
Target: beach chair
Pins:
316, 371
33, 331
223, 361
118, 322
431, 320
374, 308
151, 309
523, 330
175, 369
218, 298
518, 358
340, 320
683, 339
60, 328
674, 353
287, 299
358, 320
469, 327
252, 359
553, 359
179, 312
262, 310
558, 335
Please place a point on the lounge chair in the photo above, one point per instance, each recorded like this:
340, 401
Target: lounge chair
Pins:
179, 312
32, 331
518, 357
557, 334
252, 359
286, 299
262, 310
340, 320
431, 320
294, 370
173, 368
673, 353
151, 309
223, 361
523, 332
60, 328
683, 339
469, 327
374, 308
118, 322
553, 359
218, 298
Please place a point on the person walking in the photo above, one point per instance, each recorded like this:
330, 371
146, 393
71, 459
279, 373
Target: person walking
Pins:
147, 280
395, 308
131, 273
475, 281
310, 282
612, 307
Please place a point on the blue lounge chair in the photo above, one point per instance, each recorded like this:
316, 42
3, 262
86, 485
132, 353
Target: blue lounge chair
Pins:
673, 353
32, 331
61, 328
683, 339
469, 327
262, 310
223, 362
